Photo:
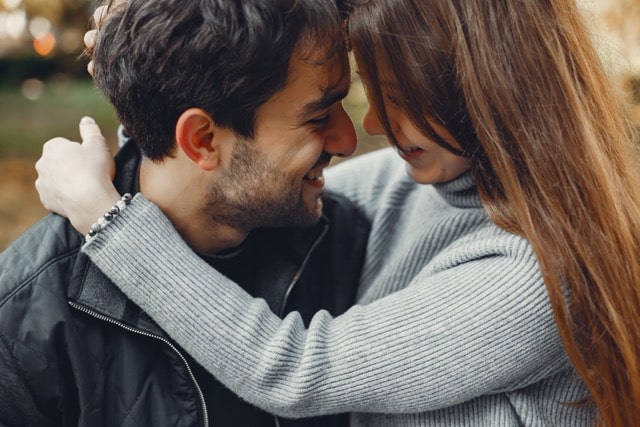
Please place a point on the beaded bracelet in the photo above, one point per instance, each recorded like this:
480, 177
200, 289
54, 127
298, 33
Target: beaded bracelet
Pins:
102, 222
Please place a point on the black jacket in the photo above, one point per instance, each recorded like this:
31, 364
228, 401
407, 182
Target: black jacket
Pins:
74, 351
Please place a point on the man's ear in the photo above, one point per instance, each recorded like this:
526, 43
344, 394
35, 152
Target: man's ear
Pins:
195, 132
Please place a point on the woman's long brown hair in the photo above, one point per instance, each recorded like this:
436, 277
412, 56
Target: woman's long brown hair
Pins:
521, 87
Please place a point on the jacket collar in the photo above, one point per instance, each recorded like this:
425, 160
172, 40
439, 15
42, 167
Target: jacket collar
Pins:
93, 290
99, 297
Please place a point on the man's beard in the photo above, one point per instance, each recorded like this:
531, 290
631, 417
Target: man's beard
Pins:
254, 193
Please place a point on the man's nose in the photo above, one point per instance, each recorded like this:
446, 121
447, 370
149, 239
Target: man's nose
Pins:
341, 141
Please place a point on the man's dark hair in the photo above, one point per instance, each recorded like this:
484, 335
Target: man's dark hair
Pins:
154, 59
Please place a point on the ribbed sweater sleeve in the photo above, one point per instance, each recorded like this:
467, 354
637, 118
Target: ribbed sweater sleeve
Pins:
474, 321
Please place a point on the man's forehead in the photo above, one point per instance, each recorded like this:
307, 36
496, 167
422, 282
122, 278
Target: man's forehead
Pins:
333, 87
327, 76
315, 82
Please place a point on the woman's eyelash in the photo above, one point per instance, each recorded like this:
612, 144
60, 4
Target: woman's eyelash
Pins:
392, 99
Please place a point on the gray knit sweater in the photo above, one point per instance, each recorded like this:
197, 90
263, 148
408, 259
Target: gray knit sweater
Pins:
453, 325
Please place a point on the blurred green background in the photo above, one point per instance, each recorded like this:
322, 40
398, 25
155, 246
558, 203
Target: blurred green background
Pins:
45, 89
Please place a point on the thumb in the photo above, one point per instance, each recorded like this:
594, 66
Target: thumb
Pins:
95, 142
90, 132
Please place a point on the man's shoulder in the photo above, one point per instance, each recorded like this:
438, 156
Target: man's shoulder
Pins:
48, 246
341, 212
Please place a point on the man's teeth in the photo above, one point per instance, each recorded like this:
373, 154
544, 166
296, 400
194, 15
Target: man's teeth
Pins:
314, 174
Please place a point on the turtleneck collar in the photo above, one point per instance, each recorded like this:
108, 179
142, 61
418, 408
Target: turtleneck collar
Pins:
460, 192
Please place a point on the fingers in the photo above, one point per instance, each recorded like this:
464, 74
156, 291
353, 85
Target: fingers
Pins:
102, 12
99, 14
90, 131
94, 140
90, 39
53, 153
41, 185
90, 43
56, 145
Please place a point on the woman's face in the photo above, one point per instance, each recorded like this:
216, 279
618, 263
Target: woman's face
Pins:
427, 162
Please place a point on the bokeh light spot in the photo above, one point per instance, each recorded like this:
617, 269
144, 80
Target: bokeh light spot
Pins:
39, 26
32, 89
15, 23
44, 45
11, 4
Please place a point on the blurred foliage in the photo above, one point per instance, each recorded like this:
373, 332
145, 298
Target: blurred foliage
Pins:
25, 124
48, 28
14, 70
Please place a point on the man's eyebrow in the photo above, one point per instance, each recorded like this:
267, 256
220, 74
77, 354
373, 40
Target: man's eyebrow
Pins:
328, 98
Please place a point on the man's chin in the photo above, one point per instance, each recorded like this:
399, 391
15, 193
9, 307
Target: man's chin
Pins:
306, 212
308, 217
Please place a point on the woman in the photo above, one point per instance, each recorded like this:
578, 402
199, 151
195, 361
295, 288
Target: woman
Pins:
505, 291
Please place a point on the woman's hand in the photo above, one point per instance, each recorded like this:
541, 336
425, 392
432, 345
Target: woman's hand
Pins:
100, 15
74, 180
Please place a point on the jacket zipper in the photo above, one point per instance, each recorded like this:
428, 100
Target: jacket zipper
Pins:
102, 317
296, 277
295, 280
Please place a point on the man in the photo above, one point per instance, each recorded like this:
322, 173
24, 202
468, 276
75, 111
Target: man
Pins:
233, 109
